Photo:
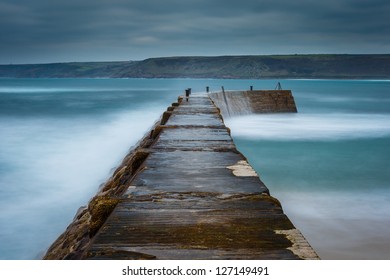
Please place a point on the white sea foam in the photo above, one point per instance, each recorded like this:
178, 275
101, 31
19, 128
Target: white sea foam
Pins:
53, 168
340, 99
310, 126
70, 89
341, 225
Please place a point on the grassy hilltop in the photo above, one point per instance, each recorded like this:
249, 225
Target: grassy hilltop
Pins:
239, 67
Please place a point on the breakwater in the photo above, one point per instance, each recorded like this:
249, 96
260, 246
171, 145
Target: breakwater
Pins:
233, 103
184, 192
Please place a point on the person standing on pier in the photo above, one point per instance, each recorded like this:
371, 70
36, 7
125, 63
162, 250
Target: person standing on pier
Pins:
188, 92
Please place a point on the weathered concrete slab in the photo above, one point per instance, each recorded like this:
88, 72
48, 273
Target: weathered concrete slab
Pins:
195, 139
196, 197
195, 134
202, 171
195, 226
198, 119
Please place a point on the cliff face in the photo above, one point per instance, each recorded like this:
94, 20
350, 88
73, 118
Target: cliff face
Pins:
233, 103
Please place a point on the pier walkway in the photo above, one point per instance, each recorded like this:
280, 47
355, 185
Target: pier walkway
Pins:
196, 197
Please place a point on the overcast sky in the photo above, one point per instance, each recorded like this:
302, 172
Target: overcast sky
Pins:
40, 31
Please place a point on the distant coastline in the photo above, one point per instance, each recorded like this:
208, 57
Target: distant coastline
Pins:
319, 66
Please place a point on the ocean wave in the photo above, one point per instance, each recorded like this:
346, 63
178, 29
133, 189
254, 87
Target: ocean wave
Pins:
50, 167
287, 127
71, 89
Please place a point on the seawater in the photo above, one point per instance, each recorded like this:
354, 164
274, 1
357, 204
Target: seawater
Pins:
328, 164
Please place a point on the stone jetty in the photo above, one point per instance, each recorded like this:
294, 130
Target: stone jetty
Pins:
185, 192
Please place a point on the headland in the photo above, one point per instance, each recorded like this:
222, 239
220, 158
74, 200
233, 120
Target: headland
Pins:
313, 66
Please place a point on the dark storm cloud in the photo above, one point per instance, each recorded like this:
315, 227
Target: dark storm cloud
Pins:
51, 30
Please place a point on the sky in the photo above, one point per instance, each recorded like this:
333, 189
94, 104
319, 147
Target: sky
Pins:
45, 31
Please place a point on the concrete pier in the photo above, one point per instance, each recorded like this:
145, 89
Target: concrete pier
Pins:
192, 195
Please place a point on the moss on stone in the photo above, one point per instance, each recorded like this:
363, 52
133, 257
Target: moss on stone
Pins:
100, 208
